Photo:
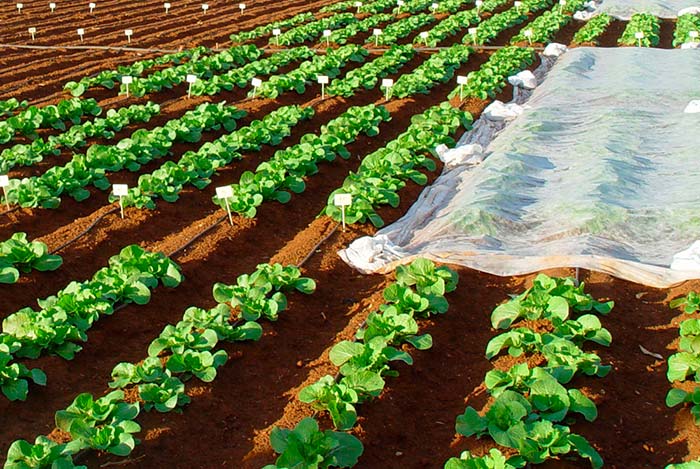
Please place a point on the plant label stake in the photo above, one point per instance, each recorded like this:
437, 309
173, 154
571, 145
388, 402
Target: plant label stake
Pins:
517, 5
127, 80
562, 4
120, 190
323, 81
387, 83
424, 35
81, 33
256, 82
327, 34
399, 4
19, 8
472, 32
242, 7
32, 31
52, 6
128, 33
358, 5
528, 34
276, 32
377, 32
461, 81
92, 6
4, 182
342, 201
205, 7
224, 193
434, 7
478, 4
167, 7
190, 81
639, 35
693, 35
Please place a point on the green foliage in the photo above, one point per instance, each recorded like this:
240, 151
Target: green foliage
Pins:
493, 460
44, 453
690, 303
678, 396
684, 25
593, 29
17, 254
641, 23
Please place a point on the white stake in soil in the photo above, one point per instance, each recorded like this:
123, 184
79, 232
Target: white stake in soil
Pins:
120, 190
358, 5
205, 7
19, 7
388, 84
256, 82
342, 201
167, 7
424, 35
92, 6
128, 33
81, 33
327, 34
528, 34
377, 32
472, 32
4, 183
127, 80
434, 7
242, 7
190, 81
32, 31
224, 193
52, 7
276, 32
323, 81
639, 35
461, 81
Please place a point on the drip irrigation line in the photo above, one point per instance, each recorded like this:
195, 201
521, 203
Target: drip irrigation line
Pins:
13, 209
197, 236
323, 240
112, 48
85, 231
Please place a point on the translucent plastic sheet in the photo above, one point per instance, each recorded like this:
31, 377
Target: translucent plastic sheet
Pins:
601, 171
624, 9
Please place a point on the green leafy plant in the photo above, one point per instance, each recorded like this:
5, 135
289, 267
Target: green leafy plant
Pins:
18, 254
44, 453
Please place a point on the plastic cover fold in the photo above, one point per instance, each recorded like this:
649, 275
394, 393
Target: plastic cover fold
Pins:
601, 171
624, 9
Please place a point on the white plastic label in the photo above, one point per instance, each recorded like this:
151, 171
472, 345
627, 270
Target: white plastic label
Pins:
276, 32
127, 80
693, 34
205, 6
342, 200
241, 6
478, 3
19, 6
323, 79
517, 4
639, 35
81, 31
32, 30
387, 82
562, 2
120, 190
52, 5
191, 78
527, 33
166, 6
434, 6
92, 6
461, 80
472, 31
4, 180
424, 35
128, 32
224, 192
400, 3
327, 33
377, 32
358, 4
256, 82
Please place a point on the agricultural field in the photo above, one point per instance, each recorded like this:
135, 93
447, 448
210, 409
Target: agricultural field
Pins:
156, 329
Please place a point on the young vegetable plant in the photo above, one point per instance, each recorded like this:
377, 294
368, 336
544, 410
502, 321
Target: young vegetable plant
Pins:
17, 254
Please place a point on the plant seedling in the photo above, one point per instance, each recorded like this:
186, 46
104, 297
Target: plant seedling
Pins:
256, 82
424, 35
276, 32
52, 6
472, 32
19, 7
241, 6
224, 193
167, 7
342, 201
92, 6
4, 183
81, 33
120, 190
323, 81
528, 34
327, 34
128, 33
461, 81
358, 5
32, 31
190, 81
388, 84
639, 35
377, 32
127, 80
205, 7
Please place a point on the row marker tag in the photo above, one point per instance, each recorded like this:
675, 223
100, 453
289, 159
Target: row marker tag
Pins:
19, 8
52, 6
358, 5
128, 33
342, 201
377, 32
127, 80
327, 34
92, 6
424, 35
256, 82
528, 34
167, 7
388, 83
191, 79
276, 32
205, 7
4, 183
639, 35
32, 31
472, 32
323, 81
224, 193
434, 7
242, 7
461, 81
81, 33
120, 190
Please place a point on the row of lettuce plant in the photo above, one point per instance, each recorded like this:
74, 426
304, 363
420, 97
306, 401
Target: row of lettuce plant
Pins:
28, 154
284, 173
684, 365
18, 254
313, 30
203, 68
488, 29
544, 27
11, 105
181, 352
196, 167
111, 78
62, 320
29, 120
143, 146
458, 21
418, 292
644, 23
684, 25
383, 173
531, 409
341, 36
593, 29
266, 29
401, 28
